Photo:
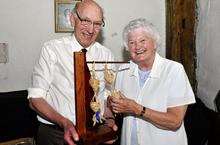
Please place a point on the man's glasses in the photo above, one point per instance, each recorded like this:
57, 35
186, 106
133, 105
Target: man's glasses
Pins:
87, 22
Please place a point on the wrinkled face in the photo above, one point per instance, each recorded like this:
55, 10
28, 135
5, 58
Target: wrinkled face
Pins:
88, 23
141, 46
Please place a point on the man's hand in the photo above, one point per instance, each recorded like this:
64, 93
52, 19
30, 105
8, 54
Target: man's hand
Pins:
111, 141
70, 133
111, 123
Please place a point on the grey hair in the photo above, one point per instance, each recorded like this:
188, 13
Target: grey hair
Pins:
148, 27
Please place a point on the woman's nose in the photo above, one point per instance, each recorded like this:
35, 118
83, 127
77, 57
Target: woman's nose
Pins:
138, 45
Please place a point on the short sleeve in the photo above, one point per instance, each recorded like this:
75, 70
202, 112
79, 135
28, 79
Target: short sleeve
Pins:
180, 91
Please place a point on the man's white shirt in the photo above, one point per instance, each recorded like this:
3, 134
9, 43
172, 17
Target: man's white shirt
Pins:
53, 75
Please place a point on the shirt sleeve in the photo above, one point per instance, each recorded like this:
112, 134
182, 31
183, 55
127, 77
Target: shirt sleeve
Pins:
180, 90
43, 73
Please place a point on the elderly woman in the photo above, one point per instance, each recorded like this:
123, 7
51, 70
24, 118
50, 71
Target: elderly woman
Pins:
154, 91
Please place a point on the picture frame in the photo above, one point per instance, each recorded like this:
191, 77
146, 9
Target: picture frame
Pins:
63, 9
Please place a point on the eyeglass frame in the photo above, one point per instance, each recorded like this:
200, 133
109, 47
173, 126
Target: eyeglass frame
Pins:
90, 22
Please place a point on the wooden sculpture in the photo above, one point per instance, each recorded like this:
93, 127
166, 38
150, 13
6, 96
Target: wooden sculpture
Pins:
89, 134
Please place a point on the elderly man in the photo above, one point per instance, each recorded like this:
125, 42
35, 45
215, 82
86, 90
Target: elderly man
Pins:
52, 92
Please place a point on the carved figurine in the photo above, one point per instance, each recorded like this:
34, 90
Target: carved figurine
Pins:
95, 104
110, 76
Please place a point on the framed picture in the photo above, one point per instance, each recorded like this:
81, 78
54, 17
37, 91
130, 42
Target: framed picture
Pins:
63, 10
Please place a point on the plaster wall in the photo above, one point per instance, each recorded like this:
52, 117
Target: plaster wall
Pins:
26, 24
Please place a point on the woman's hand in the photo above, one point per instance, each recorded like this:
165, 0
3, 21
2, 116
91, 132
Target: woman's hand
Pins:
124, 105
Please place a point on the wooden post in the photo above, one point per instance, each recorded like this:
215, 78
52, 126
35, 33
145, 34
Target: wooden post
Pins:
89, 135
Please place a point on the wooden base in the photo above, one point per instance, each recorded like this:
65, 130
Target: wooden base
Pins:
97, 136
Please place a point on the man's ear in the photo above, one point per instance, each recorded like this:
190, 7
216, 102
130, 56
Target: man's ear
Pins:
72, 19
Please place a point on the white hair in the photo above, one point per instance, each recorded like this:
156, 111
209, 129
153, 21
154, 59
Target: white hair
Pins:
148, 27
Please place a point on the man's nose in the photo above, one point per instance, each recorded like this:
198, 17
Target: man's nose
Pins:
91, 28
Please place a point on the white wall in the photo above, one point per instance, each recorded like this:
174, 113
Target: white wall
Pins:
26, 24
208, 50
119, 12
